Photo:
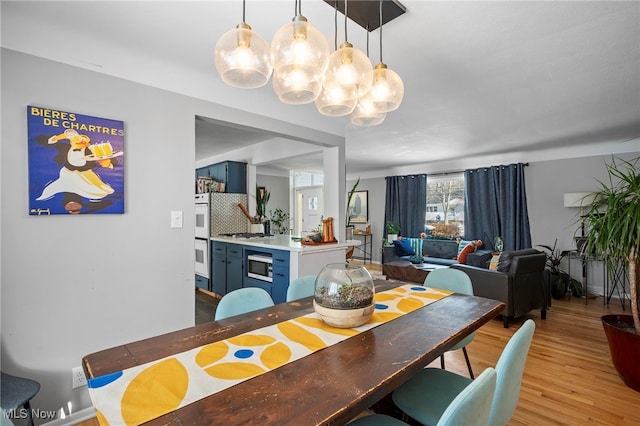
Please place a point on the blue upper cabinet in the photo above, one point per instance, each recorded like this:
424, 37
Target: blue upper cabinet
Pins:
232, 173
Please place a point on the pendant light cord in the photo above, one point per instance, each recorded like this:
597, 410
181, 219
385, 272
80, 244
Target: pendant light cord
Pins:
380, 31
345, 20
335, 25
243, 12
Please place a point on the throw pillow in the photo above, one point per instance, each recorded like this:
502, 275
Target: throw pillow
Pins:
469, 248
416, 245
403, 248
463, 243
493, 265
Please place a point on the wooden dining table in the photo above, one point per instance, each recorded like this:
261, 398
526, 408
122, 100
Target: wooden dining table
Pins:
330, 386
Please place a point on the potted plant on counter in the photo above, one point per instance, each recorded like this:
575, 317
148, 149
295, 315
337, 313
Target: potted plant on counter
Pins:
279, 219
262, 198
612, 227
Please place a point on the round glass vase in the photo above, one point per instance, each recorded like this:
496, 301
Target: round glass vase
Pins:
344, 295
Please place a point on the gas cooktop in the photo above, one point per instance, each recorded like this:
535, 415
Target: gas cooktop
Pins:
246, 235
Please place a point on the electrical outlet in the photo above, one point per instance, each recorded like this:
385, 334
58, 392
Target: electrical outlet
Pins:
77, 378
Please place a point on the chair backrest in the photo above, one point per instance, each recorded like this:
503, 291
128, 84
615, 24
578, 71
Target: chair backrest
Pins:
241, 301
509, 369
301, 287
473, 404
449, 279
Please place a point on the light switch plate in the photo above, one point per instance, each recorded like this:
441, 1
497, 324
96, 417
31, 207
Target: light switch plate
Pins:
176, 219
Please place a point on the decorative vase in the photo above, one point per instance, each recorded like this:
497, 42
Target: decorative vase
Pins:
256, 228
624, 347
344, 294
349, 233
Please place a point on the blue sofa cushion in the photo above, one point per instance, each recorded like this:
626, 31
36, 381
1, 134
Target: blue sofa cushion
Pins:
403, 248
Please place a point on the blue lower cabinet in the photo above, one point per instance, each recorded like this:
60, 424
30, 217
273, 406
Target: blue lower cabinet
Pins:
252, 282
281, 280
226, 267
202, 282
279, 284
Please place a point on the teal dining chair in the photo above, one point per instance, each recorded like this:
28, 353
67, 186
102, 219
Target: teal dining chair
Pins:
459, 282
470, 407
301, 287
16, 393
426, 396
241, 301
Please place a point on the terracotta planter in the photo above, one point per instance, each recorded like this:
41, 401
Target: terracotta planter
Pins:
624, 348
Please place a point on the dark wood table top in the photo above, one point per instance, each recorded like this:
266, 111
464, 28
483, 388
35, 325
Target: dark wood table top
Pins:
330, 386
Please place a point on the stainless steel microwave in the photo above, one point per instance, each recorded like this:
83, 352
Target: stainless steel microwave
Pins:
260, 267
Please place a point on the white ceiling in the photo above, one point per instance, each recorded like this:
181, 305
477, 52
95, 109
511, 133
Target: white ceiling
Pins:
535, 79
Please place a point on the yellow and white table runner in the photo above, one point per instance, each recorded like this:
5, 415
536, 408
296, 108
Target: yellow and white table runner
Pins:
148, 391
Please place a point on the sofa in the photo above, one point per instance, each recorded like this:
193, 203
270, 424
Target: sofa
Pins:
435, 251
518, 281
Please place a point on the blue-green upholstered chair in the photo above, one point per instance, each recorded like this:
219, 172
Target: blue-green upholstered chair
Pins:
16, 393
470, 407
301, 287
426, 396
241, 301
459, 282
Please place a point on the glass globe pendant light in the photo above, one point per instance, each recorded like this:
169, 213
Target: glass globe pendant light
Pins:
242, 57
387, 89
349, 71
334, 103
299, 53
365, 113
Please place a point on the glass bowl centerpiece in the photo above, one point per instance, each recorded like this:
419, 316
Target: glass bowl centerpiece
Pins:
343, 295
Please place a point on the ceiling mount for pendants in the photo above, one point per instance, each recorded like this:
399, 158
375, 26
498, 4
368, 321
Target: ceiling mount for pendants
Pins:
366, 12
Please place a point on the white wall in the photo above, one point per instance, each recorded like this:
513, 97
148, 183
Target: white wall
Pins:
73, 285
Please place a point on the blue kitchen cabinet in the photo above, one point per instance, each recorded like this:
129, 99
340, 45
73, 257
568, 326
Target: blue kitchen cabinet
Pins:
202, 282
277, 288
226, 267
232, 173
281, 280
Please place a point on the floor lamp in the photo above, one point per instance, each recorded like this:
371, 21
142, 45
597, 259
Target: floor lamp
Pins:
581, 200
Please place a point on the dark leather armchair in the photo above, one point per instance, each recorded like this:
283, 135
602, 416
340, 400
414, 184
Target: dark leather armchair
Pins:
518, 282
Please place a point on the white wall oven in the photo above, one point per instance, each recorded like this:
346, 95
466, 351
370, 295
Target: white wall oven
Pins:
202, 235
203, 216
202, 264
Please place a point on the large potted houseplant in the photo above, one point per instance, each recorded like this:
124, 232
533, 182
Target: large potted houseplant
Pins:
612, 227
349, 227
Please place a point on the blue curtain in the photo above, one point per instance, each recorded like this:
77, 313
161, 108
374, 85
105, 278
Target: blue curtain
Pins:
406, 203
496, 205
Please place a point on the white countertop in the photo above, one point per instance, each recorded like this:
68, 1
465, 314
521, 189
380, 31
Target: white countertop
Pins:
284, 242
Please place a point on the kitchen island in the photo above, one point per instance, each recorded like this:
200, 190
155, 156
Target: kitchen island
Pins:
236, 262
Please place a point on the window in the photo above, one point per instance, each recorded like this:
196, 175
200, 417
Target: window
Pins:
445, 205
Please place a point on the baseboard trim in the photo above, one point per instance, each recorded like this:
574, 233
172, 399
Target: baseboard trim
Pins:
74, 418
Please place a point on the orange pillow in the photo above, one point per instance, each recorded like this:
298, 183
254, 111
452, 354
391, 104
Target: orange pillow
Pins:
469, 248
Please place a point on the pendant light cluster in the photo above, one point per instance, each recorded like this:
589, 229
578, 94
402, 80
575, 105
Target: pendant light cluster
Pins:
340, 84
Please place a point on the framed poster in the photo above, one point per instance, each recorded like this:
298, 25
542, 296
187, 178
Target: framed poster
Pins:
76, 163
358, 207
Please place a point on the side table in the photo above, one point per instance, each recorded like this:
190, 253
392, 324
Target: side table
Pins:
364, 250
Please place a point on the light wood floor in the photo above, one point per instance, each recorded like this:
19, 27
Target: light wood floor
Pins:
568, 378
